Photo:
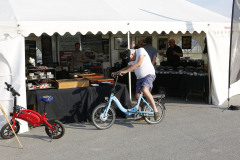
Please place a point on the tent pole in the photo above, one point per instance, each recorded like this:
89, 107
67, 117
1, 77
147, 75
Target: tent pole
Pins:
230, 57
57, 49
230, 54
129, 73
109, 42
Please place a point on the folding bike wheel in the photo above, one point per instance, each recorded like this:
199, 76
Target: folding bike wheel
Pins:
98, 118
149, 118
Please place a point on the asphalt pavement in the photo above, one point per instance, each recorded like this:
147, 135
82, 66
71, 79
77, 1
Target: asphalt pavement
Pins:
191, 130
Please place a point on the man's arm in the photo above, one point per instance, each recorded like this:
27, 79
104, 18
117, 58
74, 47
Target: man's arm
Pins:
121, 71
135, 66
176, 53
130, 68
81, 60
84, 59
154, 60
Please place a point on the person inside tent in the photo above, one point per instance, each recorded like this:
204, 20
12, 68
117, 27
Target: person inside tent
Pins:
173, 54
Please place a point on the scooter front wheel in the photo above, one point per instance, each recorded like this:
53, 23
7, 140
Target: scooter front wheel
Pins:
58, 131
6, 131
99, 120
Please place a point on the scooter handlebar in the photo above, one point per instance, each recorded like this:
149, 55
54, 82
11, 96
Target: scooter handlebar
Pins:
11, 89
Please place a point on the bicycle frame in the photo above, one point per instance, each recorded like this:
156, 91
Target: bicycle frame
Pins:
131, 111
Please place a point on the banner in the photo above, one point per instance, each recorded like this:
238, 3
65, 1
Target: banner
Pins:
234, 61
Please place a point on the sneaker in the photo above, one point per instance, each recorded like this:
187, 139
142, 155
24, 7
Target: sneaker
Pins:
156, 116
140, 119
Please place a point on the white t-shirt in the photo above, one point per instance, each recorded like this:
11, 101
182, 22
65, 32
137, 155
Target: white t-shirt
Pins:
146, 67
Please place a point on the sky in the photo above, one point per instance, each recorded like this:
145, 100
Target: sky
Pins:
223, 7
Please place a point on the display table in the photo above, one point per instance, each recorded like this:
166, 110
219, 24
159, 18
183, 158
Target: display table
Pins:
182, 84
75, 105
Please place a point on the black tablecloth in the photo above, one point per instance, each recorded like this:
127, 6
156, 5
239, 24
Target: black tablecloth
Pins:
75, 105
174, 84
195, 83
182, 84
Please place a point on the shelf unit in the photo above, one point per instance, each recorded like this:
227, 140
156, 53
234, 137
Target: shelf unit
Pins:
40, 78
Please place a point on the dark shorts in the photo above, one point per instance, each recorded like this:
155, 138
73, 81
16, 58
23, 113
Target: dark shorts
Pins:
146, 81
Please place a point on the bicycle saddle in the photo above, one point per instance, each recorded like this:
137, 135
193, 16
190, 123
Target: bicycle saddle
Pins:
46, 99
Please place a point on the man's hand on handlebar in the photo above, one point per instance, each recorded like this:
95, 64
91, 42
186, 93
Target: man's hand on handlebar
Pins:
118, 73
114, 74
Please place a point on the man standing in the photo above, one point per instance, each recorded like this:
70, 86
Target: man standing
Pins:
152, 52
141, 64
173, 54
78, 58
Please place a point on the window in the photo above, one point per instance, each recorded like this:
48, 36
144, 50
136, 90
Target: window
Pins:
196, 48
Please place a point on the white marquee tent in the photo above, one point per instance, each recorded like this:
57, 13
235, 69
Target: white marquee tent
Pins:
19, 18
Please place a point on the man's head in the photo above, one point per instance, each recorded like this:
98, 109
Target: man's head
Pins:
171, 43
129, 54
140, 44
148, 40
77, 46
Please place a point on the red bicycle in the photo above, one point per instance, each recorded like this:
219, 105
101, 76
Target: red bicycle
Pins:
54, 128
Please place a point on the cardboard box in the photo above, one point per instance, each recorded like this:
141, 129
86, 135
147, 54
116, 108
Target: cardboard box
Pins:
82, 82
67, 83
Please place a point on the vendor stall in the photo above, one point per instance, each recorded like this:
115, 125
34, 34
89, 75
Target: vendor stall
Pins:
27, 18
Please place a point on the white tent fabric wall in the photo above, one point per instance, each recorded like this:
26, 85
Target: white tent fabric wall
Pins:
12, 66
234, 89
5, 99
218, 48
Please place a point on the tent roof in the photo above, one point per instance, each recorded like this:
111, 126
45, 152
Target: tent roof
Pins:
27, 16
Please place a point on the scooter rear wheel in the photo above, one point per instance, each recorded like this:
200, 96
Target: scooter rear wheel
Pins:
6, 131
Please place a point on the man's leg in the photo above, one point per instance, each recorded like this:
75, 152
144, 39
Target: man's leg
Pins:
149, 98
137, 95
152, 103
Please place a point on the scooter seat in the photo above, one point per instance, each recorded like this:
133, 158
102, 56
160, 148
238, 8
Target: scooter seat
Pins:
46, 99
